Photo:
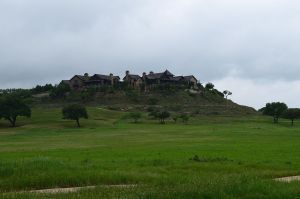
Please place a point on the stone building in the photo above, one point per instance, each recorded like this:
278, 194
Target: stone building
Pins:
134, 81
99, 80
145, 82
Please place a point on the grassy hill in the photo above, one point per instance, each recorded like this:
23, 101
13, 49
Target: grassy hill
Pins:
210, 157
201, 103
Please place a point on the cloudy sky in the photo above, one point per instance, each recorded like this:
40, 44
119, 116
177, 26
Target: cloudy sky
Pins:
249, 47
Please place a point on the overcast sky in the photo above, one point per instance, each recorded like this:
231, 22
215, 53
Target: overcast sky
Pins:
249, 47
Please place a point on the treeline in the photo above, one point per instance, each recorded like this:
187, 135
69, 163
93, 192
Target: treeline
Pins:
280, 110
63, 91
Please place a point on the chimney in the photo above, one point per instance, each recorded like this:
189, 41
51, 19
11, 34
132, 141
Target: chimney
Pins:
111, 78
151, 72
127, 72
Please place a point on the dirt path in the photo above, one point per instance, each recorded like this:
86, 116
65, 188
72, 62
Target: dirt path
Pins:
288, 179
74, 189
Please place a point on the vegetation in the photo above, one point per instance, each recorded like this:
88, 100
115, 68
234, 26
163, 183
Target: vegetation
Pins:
185, 117
209, 86
274, 109
162, 116
135, 116
60, 91
227, 93
175, 118
292, 114
12, 107
41, 89
74, 112
212, 157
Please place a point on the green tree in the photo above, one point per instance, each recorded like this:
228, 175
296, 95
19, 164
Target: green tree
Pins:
135, 116
209, 86
40, 89
175, 118
291, 114
60, 91
185, 117
153, 101
11, 108
162, 116
274, 109
153, 112
227, 93
75, 112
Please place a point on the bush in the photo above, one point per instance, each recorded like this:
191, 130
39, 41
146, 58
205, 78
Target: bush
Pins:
185, 117
153, 101
60, 91
135, 116
132, 95
162, 116
175, 118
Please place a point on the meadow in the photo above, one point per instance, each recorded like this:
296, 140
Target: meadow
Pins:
210, 157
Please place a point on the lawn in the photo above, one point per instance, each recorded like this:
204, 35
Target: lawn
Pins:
237, 157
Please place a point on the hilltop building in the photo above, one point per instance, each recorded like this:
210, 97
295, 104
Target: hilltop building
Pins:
154, 79
134, 81
146, 81
81, 82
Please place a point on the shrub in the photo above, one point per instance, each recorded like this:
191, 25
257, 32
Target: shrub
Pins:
135, 116
185, 117
153, 101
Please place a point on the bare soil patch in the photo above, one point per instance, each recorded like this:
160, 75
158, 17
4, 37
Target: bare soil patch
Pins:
288, 179
75, 189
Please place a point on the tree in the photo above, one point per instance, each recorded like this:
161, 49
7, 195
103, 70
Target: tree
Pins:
40, 89
60, 90
11, 108
274, 109
135, 116
75, 112
227, 93
185, 117
291, 114
162, 115
175, 118
209, 86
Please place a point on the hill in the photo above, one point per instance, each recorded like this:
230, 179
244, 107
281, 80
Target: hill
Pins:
194, 102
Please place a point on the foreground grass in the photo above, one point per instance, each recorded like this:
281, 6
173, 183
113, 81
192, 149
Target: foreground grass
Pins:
238, 157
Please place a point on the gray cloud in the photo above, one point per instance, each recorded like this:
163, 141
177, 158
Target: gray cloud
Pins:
45, 41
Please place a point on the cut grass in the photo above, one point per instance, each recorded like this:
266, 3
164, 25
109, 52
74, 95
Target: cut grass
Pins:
237, 156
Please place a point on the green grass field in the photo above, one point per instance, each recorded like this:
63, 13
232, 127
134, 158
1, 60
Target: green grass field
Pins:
238, 156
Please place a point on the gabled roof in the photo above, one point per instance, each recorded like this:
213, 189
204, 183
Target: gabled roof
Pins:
168, 73
177, 78
82, 77
154, 75
102, 77
135, 77
65, 81
189, 77
159, 75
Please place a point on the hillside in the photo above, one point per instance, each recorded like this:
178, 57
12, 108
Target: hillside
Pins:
202, 103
